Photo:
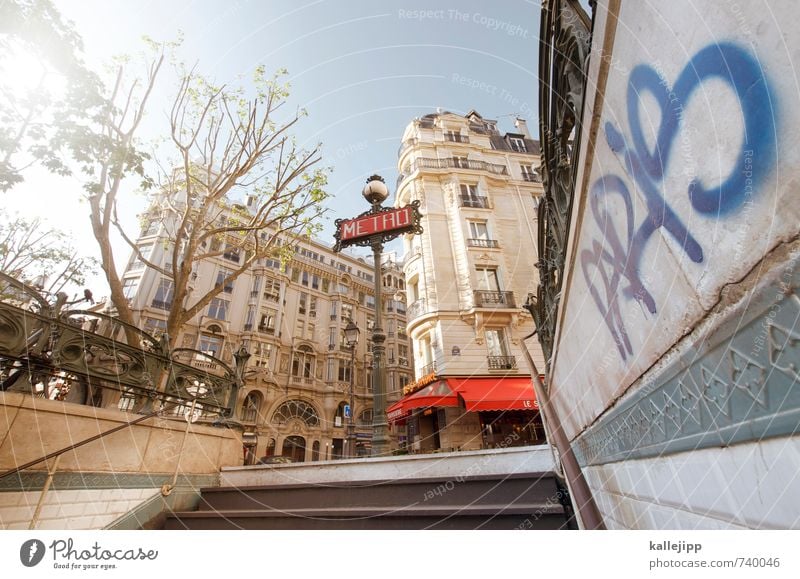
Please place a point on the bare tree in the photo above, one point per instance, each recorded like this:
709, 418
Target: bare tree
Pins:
41, 256
240, 185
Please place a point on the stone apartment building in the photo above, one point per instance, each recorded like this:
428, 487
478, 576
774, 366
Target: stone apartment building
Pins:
291, 318
467, 277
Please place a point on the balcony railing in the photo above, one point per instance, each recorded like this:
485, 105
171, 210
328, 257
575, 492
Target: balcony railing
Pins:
162, 305
531, 177
416, 309
502, 362
266, 330
427, 369
487, 299
474, 201
429, 163
487, 243
248, 327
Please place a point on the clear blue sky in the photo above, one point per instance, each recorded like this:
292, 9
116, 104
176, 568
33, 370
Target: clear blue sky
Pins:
363, 70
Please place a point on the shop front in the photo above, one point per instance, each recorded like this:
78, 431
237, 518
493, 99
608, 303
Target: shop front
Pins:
468, 413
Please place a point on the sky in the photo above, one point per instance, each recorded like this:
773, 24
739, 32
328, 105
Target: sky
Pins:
362, 70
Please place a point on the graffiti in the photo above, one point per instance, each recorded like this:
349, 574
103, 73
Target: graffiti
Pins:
611, 265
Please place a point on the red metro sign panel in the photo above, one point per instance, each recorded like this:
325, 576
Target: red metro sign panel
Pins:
392, 221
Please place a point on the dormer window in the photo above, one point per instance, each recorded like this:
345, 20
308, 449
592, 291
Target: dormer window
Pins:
517, 144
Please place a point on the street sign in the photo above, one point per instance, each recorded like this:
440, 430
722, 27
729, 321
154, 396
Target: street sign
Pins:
382, 224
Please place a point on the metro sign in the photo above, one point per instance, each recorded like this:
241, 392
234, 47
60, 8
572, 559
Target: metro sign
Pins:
385, 224
368, 225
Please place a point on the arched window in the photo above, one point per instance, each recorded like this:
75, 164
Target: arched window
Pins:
296, 409
303, 363
270, 448
251, 406
315, 451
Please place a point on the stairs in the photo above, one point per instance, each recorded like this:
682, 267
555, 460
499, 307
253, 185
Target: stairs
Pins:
493, 489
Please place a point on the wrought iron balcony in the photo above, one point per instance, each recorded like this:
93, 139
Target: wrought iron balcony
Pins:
266, 330
427, 369
429, 163
162, 305
474, 201
248, 327
488, 299
502, 362
416, 309
487, 243
531, 178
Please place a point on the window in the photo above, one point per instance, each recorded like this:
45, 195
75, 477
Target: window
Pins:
218, 309
303, 304
344, 371
347, 313
304, 278
529, 173
256, 284
496, 343
487, 279
210, 344
137, 264
312, 306
330, 371
332, 339
517, 144
227, 284
129, 287
315, 282
370, 323
262, 355
344, 288
303, 363
267, 322
250, 318
370, 301
478, 230
460, 162
469, 190
296, 409
155, 327
295, 276
164, 294
455, 137
272, 289
326, 285
232, 253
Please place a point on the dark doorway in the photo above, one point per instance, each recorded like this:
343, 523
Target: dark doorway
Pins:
295, 447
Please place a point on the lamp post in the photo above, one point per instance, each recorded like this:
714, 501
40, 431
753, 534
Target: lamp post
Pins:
372, 229
351, 333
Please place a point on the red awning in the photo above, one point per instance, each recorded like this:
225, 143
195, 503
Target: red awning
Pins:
436, 394
508, 393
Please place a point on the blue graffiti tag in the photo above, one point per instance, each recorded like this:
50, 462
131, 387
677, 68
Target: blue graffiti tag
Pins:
619, 257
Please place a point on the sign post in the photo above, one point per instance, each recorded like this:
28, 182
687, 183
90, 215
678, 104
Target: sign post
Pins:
372, 229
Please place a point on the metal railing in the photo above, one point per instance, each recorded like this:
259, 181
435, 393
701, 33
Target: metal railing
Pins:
502, 362
531, 178
430, 163
416, 309
474, 201
487, 243
427, 369
494, 299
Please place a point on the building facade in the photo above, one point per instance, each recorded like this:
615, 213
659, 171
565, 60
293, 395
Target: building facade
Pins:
291, 318
467, 278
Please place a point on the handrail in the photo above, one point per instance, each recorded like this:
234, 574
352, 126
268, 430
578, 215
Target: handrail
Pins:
79, 444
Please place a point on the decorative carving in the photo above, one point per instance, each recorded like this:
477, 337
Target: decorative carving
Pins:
563, 62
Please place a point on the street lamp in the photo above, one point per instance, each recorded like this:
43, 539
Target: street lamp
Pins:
351, 333
372, 229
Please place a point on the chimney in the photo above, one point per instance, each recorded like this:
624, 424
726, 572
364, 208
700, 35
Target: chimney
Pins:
522, 127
